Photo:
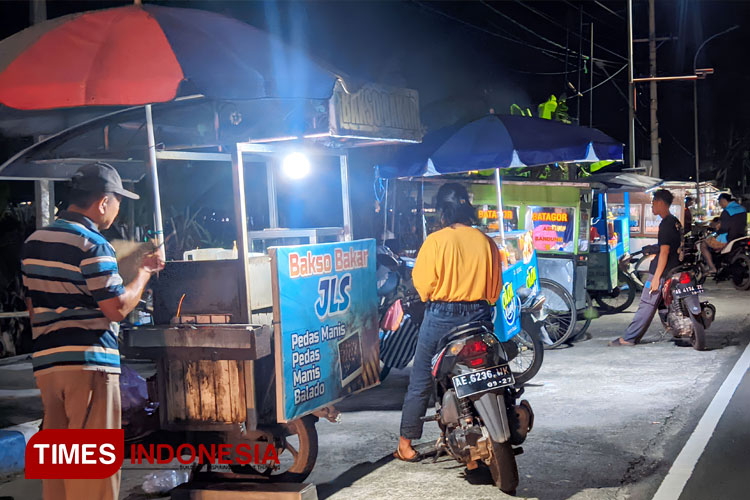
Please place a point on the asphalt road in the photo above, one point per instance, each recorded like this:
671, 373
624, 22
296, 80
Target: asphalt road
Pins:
722, 470
609, 424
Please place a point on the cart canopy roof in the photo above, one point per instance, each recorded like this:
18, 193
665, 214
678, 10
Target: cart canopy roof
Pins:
500, 141
623, 181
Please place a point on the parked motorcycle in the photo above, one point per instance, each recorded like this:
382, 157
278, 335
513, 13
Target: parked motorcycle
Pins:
682, 311
400, 310
733, 263
476, 408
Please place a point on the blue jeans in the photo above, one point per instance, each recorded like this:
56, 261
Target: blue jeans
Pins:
439, 319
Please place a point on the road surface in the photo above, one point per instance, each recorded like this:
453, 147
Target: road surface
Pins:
609, 424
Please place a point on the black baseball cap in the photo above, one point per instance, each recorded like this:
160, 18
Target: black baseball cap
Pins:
100, 177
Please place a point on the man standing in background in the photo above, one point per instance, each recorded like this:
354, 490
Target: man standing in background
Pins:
669, 242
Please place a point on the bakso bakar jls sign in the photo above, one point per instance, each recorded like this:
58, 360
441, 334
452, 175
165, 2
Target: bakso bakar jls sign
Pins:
376, 112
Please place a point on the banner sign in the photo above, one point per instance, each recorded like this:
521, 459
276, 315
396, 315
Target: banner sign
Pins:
325, 324
553, 228
375, 112
523, 274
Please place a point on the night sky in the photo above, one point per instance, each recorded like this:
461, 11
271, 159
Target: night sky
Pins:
466, 58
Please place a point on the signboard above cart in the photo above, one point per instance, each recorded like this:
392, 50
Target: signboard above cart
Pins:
375, 112
371, 115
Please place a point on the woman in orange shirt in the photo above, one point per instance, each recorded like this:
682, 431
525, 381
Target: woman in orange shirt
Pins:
458, 274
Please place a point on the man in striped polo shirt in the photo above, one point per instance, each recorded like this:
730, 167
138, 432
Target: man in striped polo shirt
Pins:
76, 297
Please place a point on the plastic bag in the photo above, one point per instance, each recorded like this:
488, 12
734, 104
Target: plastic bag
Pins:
163, 481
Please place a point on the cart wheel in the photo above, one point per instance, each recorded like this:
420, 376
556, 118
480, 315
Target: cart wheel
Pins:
620, 298
297, 448
561, 312
584, 320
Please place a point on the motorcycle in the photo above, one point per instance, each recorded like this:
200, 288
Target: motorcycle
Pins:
476, 395
733, 263
400, 310
681, 309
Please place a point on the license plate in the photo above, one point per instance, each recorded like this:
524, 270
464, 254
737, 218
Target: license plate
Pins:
482, 380
687, 291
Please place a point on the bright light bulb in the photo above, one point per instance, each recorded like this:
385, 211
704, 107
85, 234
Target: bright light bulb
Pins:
296, 166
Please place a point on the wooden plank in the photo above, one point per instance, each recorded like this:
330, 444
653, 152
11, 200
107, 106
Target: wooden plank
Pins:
224, 391
236, 397
207, 394
176, 389
162, 379
192, 390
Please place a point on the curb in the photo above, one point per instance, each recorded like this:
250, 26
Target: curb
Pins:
13, 446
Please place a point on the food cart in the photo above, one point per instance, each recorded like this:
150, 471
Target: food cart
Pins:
518, 255
556, 213
251, 349
610, 241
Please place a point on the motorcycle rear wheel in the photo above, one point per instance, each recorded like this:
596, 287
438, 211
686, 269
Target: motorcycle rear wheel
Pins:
530, 356
741, 272
503, 467
698, 336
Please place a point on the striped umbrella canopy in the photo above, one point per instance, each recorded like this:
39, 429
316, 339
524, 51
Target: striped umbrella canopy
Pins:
501, 141
140, 54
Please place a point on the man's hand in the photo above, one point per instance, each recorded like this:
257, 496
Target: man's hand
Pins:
655, 285
153, 262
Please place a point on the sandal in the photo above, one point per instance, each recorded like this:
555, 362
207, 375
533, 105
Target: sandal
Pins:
416, 458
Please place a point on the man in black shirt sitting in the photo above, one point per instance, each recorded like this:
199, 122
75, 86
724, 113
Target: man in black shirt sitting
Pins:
669, 242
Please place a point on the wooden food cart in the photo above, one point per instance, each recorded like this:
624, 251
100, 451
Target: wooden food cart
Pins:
227, 333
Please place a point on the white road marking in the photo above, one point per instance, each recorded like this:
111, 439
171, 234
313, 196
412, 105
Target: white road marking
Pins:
683, 466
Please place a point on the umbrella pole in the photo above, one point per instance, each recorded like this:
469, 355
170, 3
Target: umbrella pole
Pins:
158, 226
500, 218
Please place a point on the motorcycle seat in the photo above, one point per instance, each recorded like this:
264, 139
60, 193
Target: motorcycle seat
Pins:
388, 285
465, 330
730, 246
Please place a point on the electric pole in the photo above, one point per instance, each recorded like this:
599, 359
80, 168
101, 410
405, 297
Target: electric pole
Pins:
44, 190
652, 84
631, 90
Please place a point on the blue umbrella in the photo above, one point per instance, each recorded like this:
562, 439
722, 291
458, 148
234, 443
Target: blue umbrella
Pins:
501, 141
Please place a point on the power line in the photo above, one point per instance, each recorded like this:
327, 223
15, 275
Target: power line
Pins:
597, 2
605, 81
545, 51
553, 21
529, 30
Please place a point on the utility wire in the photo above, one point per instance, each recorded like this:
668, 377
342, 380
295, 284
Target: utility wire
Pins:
605, 81
553, 21
545, 51
598, 19
597, 2
529, 30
